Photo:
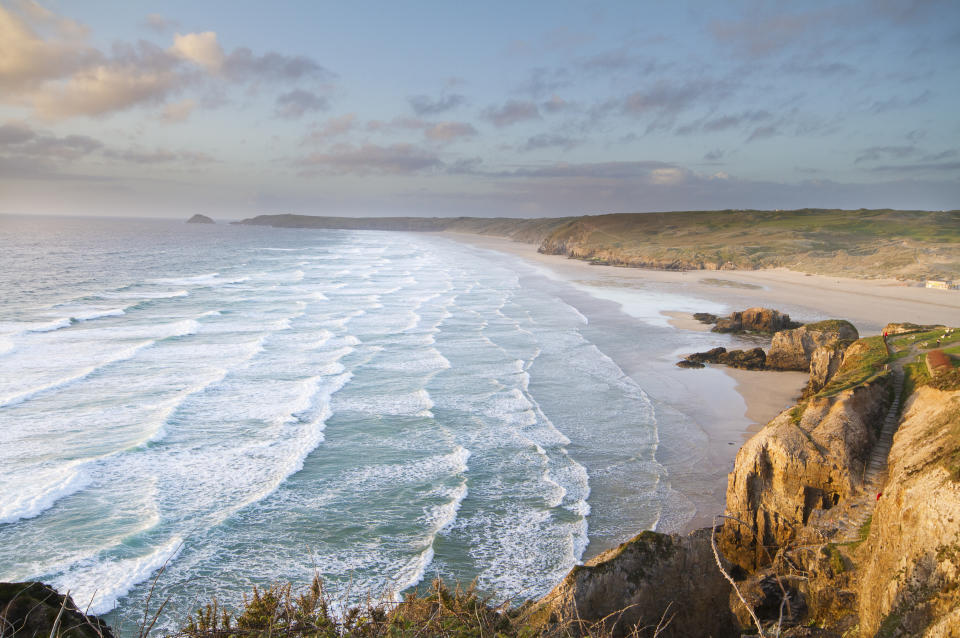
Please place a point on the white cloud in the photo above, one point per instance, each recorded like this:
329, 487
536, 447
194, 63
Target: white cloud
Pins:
200, 48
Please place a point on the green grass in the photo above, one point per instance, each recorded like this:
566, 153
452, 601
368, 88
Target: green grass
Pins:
863, 360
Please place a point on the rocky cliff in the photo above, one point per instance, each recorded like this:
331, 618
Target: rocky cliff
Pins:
32, 610
644, 582
910, 583
793, 349
808, 458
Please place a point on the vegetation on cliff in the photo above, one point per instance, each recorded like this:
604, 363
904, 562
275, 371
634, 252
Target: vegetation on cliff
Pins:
861, 243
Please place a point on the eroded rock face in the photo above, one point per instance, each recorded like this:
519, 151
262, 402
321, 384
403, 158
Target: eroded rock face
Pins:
910, 585
30, 610
793, 349
637, 581
824, 363
755, 320
807, 458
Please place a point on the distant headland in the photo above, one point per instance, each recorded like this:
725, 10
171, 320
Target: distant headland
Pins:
908, 245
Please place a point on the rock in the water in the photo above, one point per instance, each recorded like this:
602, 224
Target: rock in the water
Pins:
755, 320
792, 349
710, 356
748, 359
200, 219
754, 359
705, 317
30, 610
635, 583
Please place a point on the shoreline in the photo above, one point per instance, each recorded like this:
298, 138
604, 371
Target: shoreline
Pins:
729, 405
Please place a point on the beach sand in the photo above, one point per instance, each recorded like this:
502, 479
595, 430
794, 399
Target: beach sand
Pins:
728, 405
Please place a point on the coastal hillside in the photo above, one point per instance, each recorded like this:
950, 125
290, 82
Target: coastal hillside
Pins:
861, 243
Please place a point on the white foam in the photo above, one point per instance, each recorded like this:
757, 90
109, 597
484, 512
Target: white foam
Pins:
106, 581
121, 355
27, 499
50, 326
145, 295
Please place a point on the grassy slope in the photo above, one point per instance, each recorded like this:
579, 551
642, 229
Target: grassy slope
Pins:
863, 243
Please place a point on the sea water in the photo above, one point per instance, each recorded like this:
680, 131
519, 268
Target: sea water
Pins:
241, 405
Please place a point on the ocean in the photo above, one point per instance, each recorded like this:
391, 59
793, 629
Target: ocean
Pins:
242, 405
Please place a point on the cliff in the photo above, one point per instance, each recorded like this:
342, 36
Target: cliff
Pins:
862, 243
645, 582
808, 458
31, 610
793, 349
910, 584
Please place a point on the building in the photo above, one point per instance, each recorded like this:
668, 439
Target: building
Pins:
940, 284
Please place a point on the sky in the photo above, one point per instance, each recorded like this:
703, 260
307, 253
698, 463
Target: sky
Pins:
234, 108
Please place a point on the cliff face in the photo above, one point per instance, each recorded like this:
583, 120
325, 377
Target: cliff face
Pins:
650, 577
911, 569
809, 458
793, 349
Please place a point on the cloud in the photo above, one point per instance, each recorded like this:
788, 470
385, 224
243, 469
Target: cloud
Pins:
158, 156
542, 81
724, 122
876, 153
897, 103
545, 140
758, 35
298, 102
917, 167
555, 104
763, 132
243, 65
47, 64
511, 112
449, 131
397, 159
597, 170
200, 48
334, 127
19, 140
425, 105
158, 23
714, 156
177, 111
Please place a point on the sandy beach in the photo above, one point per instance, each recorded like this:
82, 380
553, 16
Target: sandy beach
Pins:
730, 404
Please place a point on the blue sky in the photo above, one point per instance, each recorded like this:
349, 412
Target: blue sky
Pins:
494, 108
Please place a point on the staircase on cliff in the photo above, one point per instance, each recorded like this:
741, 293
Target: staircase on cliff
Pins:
875, 471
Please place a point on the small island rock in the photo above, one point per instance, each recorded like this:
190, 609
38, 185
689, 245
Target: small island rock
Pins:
200, 219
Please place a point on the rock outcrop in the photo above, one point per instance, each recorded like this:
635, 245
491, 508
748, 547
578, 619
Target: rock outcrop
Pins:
911, 559
824, 363
905, 328
764, 320
200, 219
793, 349
753, 359
650, 577
810, 457
35, 610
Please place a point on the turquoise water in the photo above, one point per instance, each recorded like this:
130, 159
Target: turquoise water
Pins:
245, 405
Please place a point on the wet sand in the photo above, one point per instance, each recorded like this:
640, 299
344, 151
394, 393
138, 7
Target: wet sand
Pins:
727, 404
